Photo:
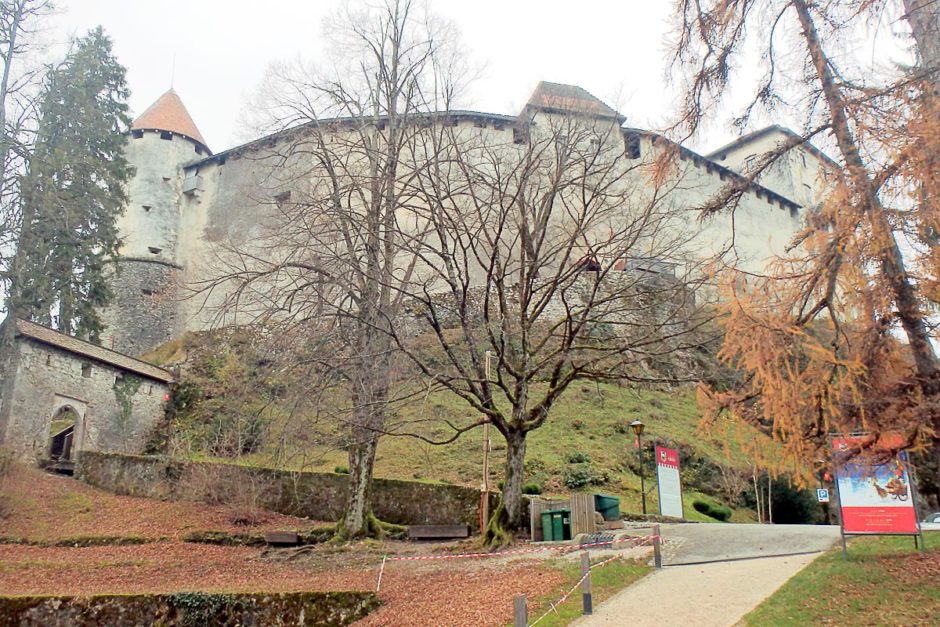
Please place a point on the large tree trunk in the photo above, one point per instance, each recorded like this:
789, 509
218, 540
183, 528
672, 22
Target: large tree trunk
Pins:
893, 270
924, 19
358, 520
512, 484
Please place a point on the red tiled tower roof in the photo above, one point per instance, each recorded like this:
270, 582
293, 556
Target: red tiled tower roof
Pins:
169, 114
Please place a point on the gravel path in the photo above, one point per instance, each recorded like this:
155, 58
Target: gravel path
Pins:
706, 595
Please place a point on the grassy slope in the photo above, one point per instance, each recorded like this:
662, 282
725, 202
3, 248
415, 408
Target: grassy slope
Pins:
589, 418
884, 582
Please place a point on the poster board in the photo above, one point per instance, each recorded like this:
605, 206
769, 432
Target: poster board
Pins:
876, 496
670, 484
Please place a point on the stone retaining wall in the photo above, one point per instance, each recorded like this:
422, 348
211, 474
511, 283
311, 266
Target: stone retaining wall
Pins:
188, 609
319, 496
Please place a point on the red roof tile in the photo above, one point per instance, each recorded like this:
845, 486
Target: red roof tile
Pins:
169, 114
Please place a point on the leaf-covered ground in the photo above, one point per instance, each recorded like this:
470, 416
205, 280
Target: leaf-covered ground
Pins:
884, 581
48, 508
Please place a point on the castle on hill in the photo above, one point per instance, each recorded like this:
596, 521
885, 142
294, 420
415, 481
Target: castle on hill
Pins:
185, 200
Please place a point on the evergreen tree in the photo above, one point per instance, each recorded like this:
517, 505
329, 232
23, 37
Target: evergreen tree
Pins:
74, 192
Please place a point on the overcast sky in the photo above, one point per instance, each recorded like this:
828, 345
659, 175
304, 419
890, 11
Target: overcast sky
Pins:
614, 49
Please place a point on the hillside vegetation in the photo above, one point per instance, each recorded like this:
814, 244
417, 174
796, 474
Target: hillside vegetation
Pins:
233, 402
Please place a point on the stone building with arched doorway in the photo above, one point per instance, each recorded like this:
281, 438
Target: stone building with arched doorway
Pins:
60, 395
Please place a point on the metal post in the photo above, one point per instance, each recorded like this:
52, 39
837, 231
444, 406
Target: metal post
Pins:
520, 612
657, 548
586, 598
639, 452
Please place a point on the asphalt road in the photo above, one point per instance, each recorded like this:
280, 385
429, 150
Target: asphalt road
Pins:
713, 542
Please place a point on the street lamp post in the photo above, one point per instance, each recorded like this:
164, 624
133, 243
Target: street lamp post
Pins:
637, 426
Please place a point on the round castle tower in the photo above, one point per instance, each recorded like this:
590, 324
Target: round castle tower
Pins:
144, 312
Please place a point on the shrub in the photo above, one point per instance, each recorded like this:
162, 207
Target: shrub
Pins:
577, 457
532, 488
718, 512
623, 428
341, 470
583, 475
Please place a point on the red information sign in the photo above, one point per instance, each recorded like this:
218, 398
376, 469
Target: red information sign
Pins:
875, 496
670, 484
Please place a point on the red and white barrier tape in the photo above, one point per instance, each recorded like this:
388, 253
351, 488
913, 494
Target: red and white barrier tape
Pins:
552, 606
636, 541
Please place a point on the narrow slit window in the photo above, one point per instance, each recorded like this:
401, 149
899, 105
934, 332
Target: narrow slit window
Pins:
86, 371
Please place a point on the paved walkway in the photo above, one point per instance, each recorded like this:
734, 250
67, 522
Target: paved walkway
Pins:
733, 578
707, 595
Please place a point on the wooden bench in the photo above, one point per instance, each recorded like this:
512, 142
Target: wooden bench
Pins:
438, 532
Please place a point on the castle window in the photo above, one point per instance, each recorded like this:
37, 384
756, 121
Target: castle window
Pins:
631, 146
198, 149
137, 134
146, 291
86, 371
519, 135
168, 136
803, 157
155, 250
147, 208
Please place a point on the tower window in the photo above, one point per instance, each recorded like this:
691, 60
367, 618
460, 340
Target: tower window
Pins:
86, 371
155, 250
137, 134
631, 146
148, 207
168, 136
198, 149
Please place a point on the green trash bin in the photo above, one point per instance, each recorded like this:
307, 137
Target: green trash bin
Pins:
607, 506
547, 533
556, 525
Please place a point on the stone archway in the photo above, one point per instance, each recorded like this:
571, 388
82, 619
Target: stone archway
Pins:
62, 434
67, 429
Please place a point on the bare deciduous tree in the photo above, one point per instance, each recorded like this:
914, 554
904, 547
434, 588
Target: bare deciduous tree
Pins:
337, 184
561, 252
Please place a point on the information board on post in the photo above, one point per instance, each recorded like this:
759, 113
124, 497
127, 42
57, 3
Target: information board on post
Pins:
670, 484
875, 495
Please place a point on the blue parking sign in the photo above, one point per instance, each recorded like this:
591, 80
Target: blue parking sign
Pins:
822, 495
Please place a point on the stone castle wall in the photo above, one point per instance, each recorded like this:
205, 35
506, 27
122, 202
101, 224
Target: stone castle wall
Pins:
316, 495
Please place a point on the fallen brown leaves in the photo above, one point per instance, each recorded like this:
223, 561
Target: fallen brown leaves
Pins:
48, 508
462, 592
45, 507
